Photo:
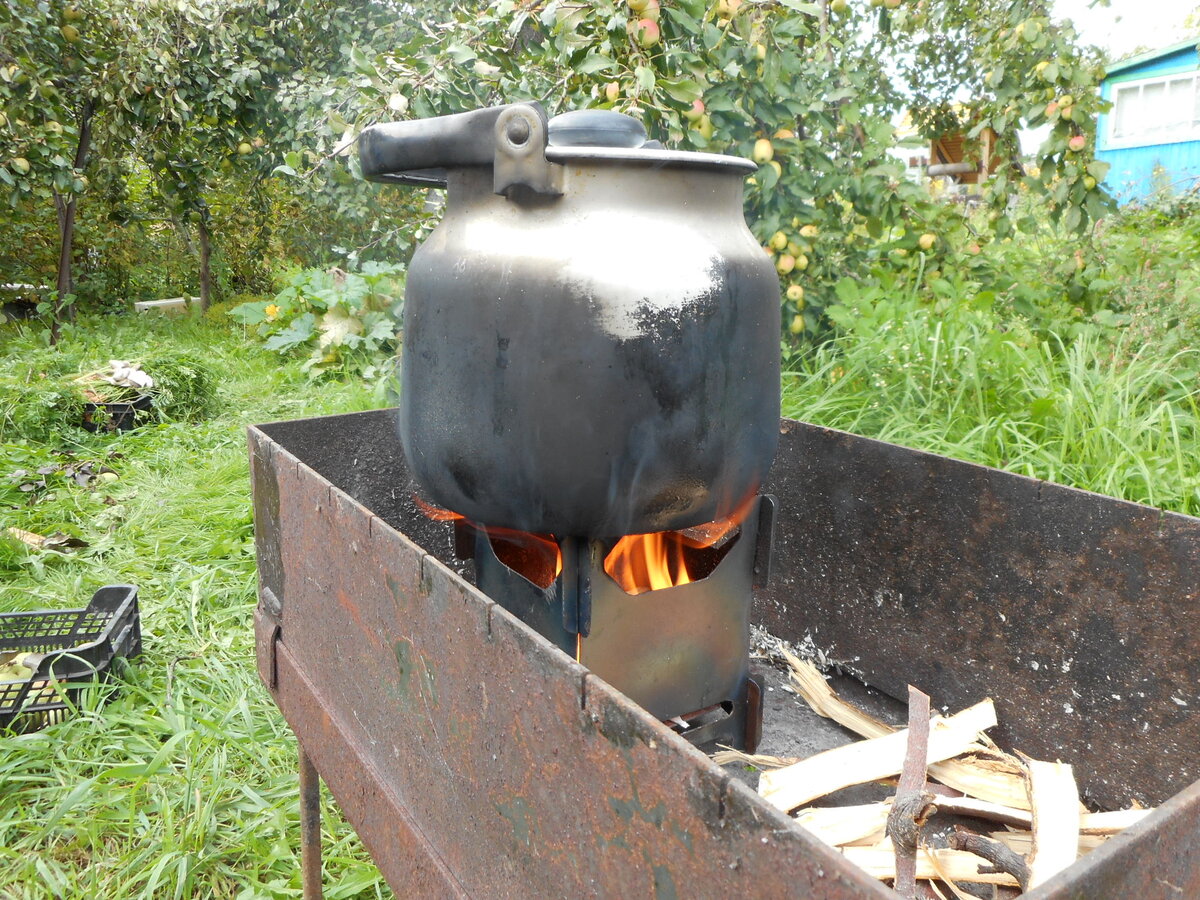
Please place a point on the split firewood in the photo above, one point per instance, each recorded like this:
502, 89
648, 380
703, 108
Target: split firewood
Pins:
913, 805
1106, 823
870, 760
1003, 860
839, 826
982, 809
988, 778
879, 862
985, 773
944, 877
1054, 800
817, 693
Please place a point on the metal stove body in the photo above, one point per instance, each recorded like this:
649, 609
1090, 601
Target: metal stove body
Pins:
681, 652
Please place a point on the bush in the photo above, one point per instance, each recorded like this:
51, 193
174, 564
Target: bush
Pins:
346, 320
37, 409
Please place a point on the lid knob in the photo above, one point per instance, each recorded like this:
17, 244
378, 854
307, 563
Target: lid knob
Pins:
595, 128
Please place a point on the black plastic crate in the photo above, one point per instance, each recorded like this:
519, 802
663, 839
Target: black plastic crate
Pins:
79, 646
117, 416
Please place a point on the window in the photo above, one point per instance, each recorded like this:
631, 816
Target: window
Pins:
1156, 111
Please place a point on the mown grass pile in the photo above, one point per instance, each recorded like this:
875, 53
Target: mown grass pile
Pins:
184, 784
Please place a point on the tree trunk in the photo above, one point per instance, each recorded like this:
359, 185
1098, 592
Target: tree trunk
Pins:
65, 208
66, 240
205, 260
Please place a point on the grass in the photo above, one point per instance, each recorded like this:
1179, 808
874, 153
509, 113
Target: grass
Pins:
184, 784
967, 379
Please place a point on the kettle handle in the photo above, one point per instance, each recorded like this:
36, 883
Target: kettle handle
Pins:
510, 138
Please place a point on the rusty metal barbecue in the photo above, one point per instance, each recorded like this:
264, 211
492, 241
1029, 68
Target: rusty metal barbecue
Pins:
451, 734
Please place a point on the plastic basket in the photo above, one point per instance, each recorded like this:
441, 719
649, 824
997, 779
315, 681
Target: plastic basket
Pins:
117, 416
79, 646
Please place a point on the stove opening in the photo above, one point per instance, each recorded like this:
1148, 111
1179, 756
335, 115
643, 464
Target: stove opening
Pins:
535, 557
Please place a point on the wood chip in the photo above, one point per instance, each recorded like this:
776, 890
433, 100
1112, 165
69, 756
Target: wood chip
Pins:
870, 760
26, 537
1022, 841
841, 825
955, 865
727, 755
1054, 800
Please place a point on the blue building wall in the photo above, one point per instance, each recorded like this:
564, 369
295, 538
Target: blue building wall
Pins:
1132, 172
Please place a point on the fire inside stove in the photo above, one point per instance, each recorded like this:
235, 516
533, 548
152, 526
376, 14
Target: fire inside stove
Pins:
663, 617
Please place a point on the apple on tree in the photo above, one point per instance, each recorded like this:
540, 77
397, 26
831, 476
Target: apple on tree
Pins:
648, 33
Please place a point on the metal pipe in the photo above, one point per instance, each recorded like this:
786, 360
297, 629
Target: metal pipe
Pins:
310, 827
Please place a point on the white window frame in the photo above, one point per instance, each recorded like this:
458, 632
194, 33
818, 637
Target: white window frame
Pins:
1144, 139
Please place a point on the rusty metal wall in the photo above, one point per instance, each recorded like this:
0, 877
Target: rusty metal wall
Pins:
476, 759
1078, 614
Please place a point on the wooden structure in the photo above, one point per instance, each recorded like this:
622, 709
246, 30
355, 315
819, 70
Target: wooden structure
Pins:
962, 159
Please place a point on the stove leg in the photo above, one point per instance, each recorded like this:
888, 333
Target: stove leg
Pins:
310, 828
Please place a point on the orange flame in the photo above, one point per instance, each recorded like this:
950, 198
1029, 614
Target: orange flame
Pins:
436, 513
637, 562
535, 556
651, 562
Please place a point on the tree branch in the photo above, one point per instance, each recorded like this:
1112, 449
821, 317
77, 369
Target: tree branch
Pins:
912, 806
1001, 857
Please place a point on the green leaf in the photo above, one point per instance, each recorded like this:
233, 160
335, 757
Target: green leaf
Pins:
684, 91
300, 330
250, 313
460, 53
594, 62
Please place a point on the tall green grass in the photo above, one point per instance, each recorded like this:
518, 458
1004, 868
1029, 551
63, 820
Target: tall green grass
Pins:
184, 784
965, 378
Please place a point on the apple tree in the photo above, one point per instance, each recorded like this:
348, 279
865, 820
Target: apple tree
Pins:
68, 88
226, 117
809, 90
86, 84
